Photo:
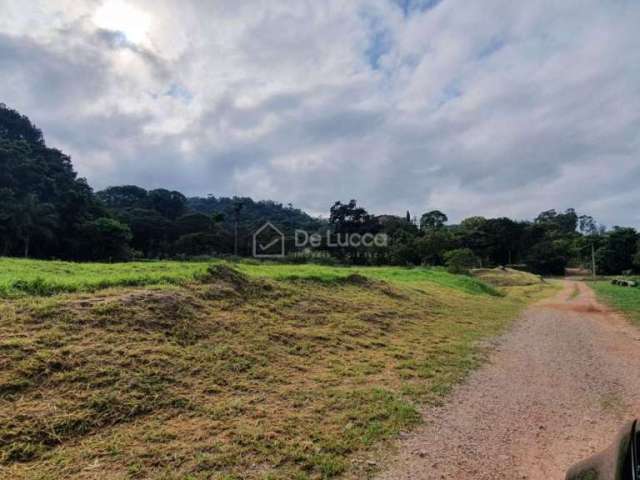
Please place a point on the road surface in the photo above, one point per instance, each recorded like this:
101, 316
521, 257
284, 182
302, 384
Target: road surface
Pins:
557, 388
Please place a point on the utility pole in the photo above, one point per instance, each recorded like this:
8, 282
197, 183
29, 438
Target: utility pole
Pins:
593, 261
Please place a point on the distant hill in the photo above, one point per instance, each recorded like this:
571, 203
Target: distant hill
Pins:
253, 213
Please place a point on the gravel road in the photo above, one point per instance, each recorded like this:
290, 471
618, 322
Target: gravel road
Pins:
555, 391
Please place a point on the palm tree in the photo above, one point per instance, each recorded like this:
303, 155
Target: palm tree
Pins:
33, 219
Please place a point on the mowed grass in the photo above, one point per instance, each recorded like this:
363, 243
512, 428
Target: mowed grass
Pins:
625, 299
280, 372
36, 277
506, 277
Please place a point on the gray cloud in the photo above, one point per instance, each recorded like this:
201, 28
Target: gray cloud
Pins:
475, 108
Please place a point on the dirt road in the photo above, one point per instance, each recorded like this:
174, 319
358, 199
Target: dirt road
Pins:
555, 391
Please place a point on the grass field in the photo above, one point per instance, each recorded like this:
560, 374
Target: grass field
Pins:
261, 372
625, 299
35, 277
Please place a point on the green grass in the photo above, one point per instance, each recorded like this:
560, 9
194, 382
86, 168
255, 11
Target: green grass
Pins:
280, 372
625, 299
35, 277
389, 274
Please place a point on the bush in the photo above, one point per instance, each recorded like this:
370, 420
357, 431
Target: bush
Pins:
197, 244
617, 254
106, 239
460, 260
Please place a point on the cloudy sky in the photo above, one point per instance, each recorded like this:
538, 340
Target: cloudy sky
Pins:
492, 107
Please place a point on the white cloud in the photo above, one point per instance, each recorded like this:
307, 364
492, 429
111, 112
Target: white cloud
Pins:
489, 108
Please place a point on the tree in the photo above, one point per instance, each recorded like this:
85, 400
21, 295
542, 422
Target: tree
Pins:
393, 226
122, 197
433, 220
16, 127
152, 232
559, 223
109, 239
33, 219
502, 237
237, 208
460, 260
47, 211
472, 234
617, 253
636, 258
473, 223
587, 225
7, 205
170, 204
347, 219
432, 246
568, 221
194, 222
201, 234
29, 169
200, 243
548, 216
402, 250
254, 214
547, 258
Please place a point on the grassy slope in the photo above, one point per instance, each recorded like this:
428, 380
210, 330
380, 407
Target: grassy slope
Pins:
626, 299
232, 377
35, 277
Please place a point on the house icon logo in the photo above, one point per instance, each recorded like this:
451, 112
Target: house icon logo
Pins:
268, 242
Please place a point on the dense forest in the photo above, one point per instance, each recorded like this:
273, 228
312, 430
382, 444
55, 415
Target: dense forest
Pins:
46, 211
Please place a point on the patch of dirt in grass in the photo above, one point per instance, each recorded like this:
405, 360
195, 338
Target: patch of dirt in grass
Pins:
506, 277
356, 279
224, 273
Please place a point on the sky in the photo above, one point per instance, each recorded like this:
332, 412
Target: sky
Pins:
492, 107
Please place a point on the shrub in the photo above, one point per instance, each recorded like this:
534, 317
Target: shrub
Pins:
197, 244
460, 260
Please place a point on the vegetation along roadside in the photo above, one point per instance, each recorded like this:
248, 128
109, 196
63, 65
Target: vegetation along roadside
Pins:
625, 299
250, 371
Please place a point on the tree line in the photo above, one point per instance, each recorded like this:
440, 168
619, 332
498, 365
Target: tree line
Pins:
547, 245
46, 211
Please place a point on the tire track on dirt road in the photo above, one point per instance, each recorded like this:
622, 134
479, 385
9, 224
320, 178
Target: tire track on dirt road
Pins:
556, 390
